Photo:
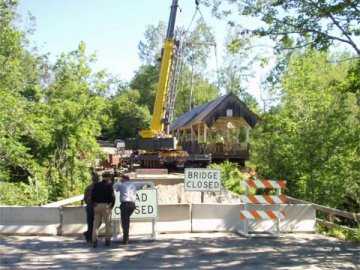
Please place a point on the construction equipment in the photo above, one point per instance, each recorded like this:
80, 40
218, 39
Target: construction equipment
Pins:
157, 146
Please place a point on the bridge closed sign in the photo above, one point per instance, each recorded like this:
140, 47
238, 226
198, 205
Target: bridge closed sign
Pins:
199, 179
146, 205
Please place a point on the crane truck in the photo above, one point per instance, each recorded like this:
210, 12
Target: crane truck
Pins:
156, 146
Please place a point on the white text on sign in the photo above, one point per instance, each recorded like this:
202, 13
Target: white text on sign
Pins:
202, 180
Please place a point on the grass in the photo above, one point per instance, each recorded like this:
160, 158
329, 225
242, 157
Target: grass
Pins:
340, 233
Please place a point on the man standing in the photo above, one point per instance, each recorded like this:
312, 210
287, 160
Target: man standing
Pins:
89, 206
103, 199
127, 191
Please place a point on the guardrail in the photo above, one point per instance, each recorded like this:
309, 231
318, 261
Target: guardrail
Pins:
331, 214
65, 202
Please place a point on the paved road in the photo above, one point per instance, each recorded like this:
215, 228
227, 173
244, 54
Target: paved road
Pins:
185, 251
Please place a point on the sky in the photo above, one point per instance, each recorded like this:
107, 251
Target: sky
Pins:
111, 28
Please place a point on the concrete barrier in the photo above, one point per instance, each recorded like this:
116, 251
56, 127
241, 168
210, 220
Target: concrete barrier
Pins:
298, 218
174, 218
215, 217
73, 220
171, 218
29, 220
226, 217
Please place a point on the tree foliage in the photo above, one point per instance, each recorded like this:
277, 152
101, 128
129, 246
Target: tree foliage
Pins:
150, 47
145, 82
239, 62
197, 44
74, 110
231, 177
193, 90
128, 116
297, 24
293, 25
311, 138
48, 118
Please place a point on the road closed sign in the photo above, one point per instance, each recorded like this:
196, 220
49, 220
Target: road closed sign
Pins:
146, 205
198, 179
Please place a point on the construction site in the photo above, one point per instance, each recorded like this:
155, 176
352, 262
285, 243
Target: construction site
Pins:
225, 184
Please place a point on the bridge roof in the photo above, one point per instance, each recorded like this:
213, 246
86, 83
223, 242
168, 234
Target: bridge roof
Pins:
210, 111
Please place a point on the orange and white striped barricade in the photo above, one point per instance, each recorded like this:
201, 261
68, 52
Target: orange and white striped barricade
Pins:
274, 200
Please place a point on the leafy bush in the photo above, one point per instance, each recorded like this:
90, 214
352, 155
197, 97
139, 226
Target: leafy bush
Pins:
22, 194
340, 233
231, 176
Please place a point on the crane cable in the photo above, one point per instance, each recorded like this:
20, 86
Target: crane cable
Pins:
187, 32
215, 48
198, 10
194, 16
184, 38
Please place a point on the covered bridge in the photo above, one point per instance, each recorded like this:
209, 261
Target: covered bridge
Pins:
220, 127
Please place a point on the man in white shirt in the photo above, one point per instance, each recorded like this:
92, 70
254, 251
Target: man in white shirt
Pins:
127, 191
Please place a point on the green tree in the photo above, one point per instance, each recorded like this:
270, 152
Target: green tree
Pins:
197, 44
21, 128
127, 115
297, 24
202, 91
240, 60
23, 132
145, 82
311, 138
74, 109
150, 47
293, 25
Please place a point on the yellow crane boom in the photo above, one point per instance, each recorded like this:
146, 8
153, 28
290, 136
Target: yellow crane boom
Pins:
157, 129
157, 121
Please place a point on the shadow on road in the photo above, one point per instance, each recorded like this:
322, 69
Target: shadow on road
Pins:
210, 251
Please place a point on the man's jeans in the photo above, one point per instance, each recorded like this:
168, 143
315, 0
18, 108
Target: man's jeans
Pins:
127, 208
90, 221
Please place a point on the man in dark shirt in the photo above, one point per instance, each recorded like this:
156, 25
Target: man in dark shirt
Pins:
89, 206
103, 199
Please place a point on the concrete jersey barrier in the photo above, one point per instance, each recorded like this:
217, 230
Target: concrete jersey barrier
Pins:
172, 218
29, 220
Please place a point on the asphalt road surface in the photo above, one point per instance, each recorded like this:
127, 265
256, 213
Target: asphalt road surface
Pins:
181, 251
